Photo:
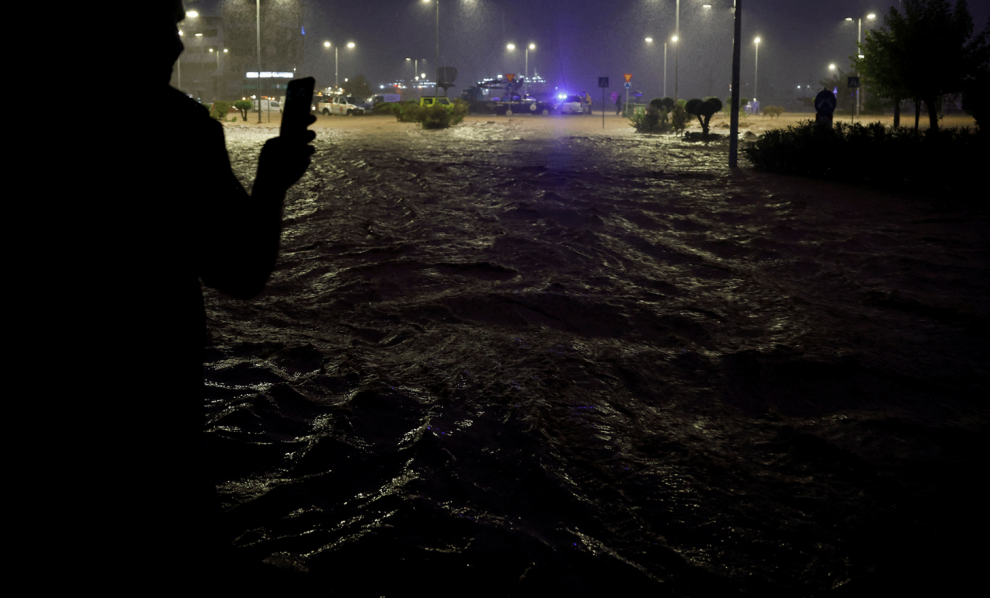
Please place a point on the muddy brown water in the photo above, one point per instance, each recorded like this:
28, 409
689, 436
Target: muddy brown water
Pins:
524, 356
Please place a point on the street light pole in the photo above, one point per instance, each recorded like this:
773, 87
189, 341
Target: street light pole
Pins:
859, 41
257, 14
756, 74
734, 101
436, 87
530, 47
217, 93
677, 36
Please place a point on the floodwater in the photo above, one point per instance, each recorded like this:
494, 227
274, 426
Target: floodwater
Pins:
506, 359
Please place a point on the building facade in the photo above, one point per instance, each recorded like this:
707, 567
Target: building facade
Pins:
221, 59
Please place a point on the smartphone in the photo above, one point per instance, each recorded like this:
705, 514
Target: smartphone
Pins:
298, 105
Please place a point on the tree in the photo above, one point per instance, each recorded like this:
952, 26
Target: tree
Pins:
243, 106
881, 71
704, 109
923, 53
976, 98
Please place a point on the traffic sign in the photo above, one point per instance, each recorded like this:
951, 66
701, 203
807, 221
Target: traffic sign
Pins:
510, 76
853, 82
627, 85
628, 77
825, 101
603, 82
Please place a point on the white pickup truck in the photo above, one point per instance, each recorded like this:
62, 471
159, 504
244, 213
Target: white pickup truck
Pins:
343, 105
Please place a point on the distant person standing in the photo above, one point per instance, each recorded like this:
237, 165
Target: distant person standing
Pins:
618, 105
587, 102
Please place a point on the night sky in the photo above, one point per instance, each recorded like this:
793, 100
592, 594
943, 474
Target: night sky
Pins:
577, 41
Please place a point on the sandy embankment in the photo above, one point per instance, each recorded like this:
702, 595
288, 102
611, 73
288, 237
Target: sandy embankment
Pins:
558, 124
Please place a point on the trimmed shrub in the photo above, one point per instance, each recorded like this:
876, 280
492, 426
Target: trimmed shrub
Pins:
219, 110
704, 110
243, 106
459, 111
434, 117
653, 120
437, 116
406, 112
679, 117
873, 153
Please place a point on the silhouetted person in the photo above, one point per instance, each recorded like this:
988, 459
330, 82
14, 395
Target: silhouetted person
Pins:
144, 208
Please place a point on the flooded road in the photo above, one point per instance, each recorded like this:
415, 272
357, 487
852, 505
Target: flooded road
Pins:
507, 359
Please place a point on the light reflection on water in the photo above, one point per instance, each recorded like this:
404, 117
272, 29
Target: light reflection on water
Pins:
556, 361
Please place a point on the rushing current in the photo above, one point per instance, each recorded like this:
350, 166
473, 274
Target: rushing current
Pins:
494, 361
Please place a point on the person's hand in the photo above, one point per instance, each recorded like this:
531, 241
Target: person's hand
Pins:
284, 159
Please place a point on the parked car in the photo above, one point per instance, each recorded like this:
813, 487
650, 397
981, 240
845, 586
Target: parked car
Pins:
571, 104
430, 100
342, 105
522, 105
385, 97
266, 105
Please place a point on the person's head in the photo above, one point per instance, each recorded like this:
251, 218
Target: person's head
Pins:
153, 37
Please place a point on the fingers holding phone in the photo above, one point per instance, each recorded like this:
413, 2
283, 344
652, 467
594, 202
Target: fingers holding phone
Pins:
285, 158
296, 114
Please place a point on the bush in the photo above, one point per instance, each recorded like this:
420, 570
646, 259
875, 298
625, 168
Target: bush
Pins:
459, 111
773, 111
653, 120
872, 153
436, 116
406, 112
383, 108
679, 117
243, 106
219, 110
727, 107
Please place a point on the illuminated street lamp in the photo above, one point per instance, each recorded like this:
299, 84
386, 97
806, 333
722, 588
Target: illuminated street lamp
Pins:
756, 74
859, 40
663, 92
512, 47
218, 71
336, 60
528, 48
190, 14
415, 62
677, 35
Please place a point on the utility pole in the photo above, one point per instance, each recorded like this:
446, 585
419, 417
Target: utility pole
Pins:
734, 108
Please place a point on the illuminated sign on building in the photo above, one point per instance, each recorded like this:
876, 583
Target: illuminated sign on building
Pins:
269, 75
